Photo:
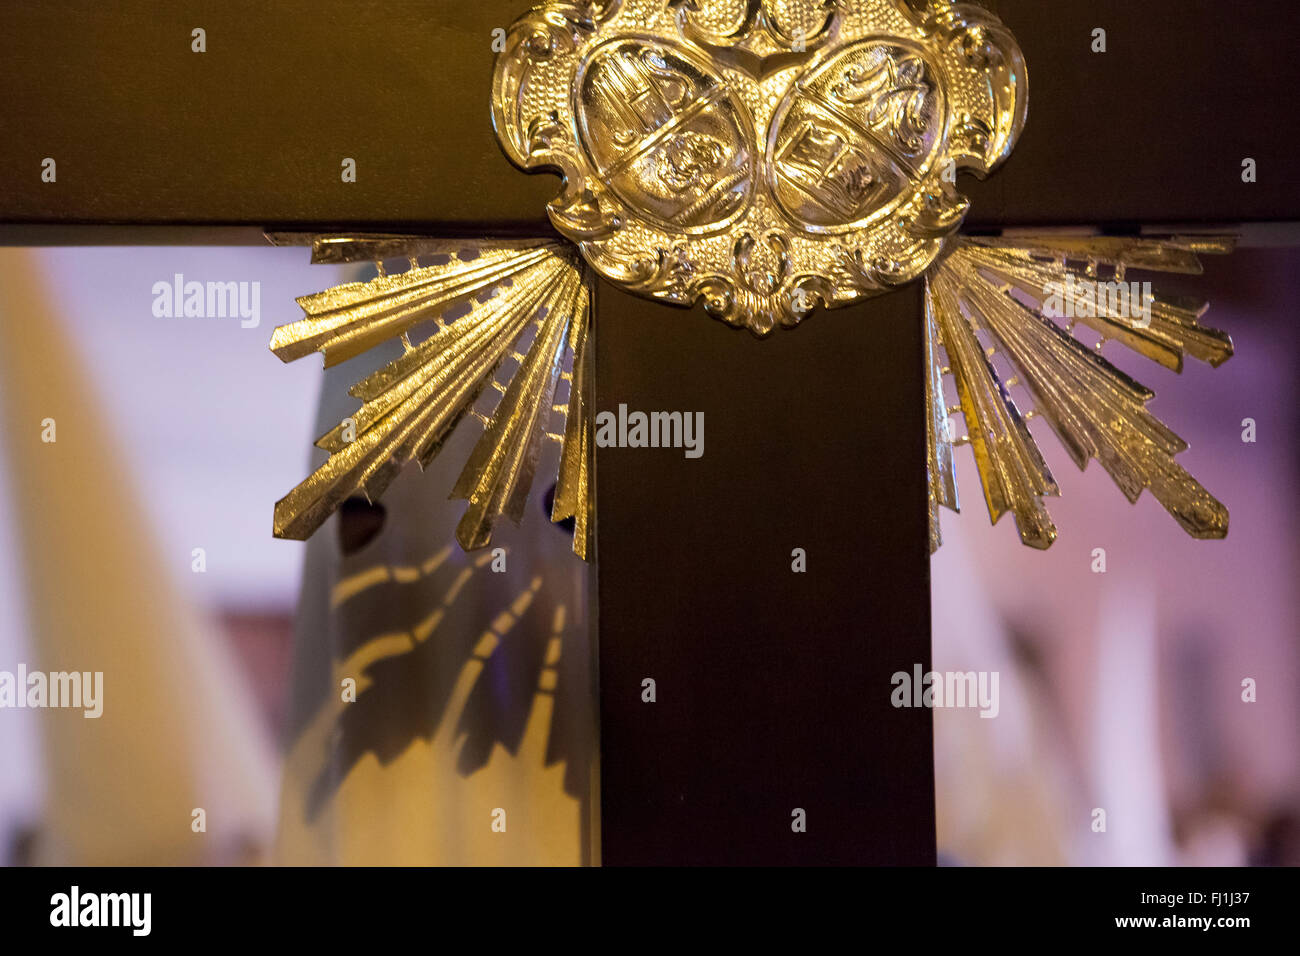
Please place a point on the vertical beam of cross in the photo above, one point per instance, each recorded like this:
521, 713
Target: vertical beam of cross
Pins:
766, 590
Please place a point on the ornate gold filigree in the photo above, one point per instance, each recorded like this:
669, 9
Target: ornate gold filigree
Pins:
766, 157
833, 130
1016, 291
508, 291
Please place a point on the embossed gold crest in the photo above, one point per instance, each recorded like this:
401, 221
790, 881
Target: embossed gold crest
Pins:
763, 157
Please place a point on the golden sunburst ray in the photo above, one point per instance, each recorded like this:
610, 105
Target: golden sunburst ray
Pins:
575, 493
411, 406
347, 320
499, 473
1014, 291
1011, 291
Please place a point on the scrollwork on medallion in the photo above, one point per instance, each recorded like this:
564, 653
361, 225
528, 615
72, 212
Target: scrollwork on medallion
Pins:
868, 272
541, 140
665, 134
855, 135
988, 47
689, 159
894, 92
934, 212
663, 272
762, 264
757, 26
762, 290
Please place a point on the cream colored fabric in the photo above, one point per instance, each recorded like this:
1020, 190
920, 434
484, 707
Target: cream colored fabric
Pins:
471, 739
178, 730
1004, 796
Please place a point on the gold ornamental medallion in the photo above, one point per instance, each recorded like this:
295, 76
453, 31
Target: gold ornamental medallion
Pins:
762, 157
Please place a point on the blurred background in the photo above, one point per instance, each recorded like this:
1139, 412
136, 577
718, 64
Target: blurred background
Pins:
139, 544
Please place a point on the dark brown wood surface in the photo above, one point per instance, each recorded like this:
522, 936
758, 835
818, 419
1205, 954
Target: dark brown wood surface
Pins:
1154, 130
773, 687
252, 133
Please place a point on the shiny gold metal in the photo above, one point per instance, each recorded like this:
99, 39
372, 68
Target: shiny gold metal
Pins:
412, 405
765, 156
1016, 292
762, 156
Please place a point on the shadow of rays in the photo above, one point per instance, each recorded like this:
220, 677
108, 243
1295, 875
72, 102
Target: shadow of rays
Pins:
425, 668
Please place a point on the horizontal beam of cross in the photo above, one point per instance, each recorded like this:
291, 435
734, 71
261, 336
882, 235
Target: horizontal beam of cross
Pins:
253, 132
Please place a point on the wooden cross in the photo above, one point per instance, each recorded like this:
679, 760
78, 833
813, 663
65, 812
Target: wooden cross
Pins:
772, 686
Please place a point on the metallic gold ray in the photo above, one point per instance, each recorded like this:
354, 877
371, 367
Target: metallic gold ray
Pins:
1171, 254
1012, 470
377, 247
497, 478
575, 491
416, 412
1097, 411
347, 320
411, 406
1173, 330
938, 432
